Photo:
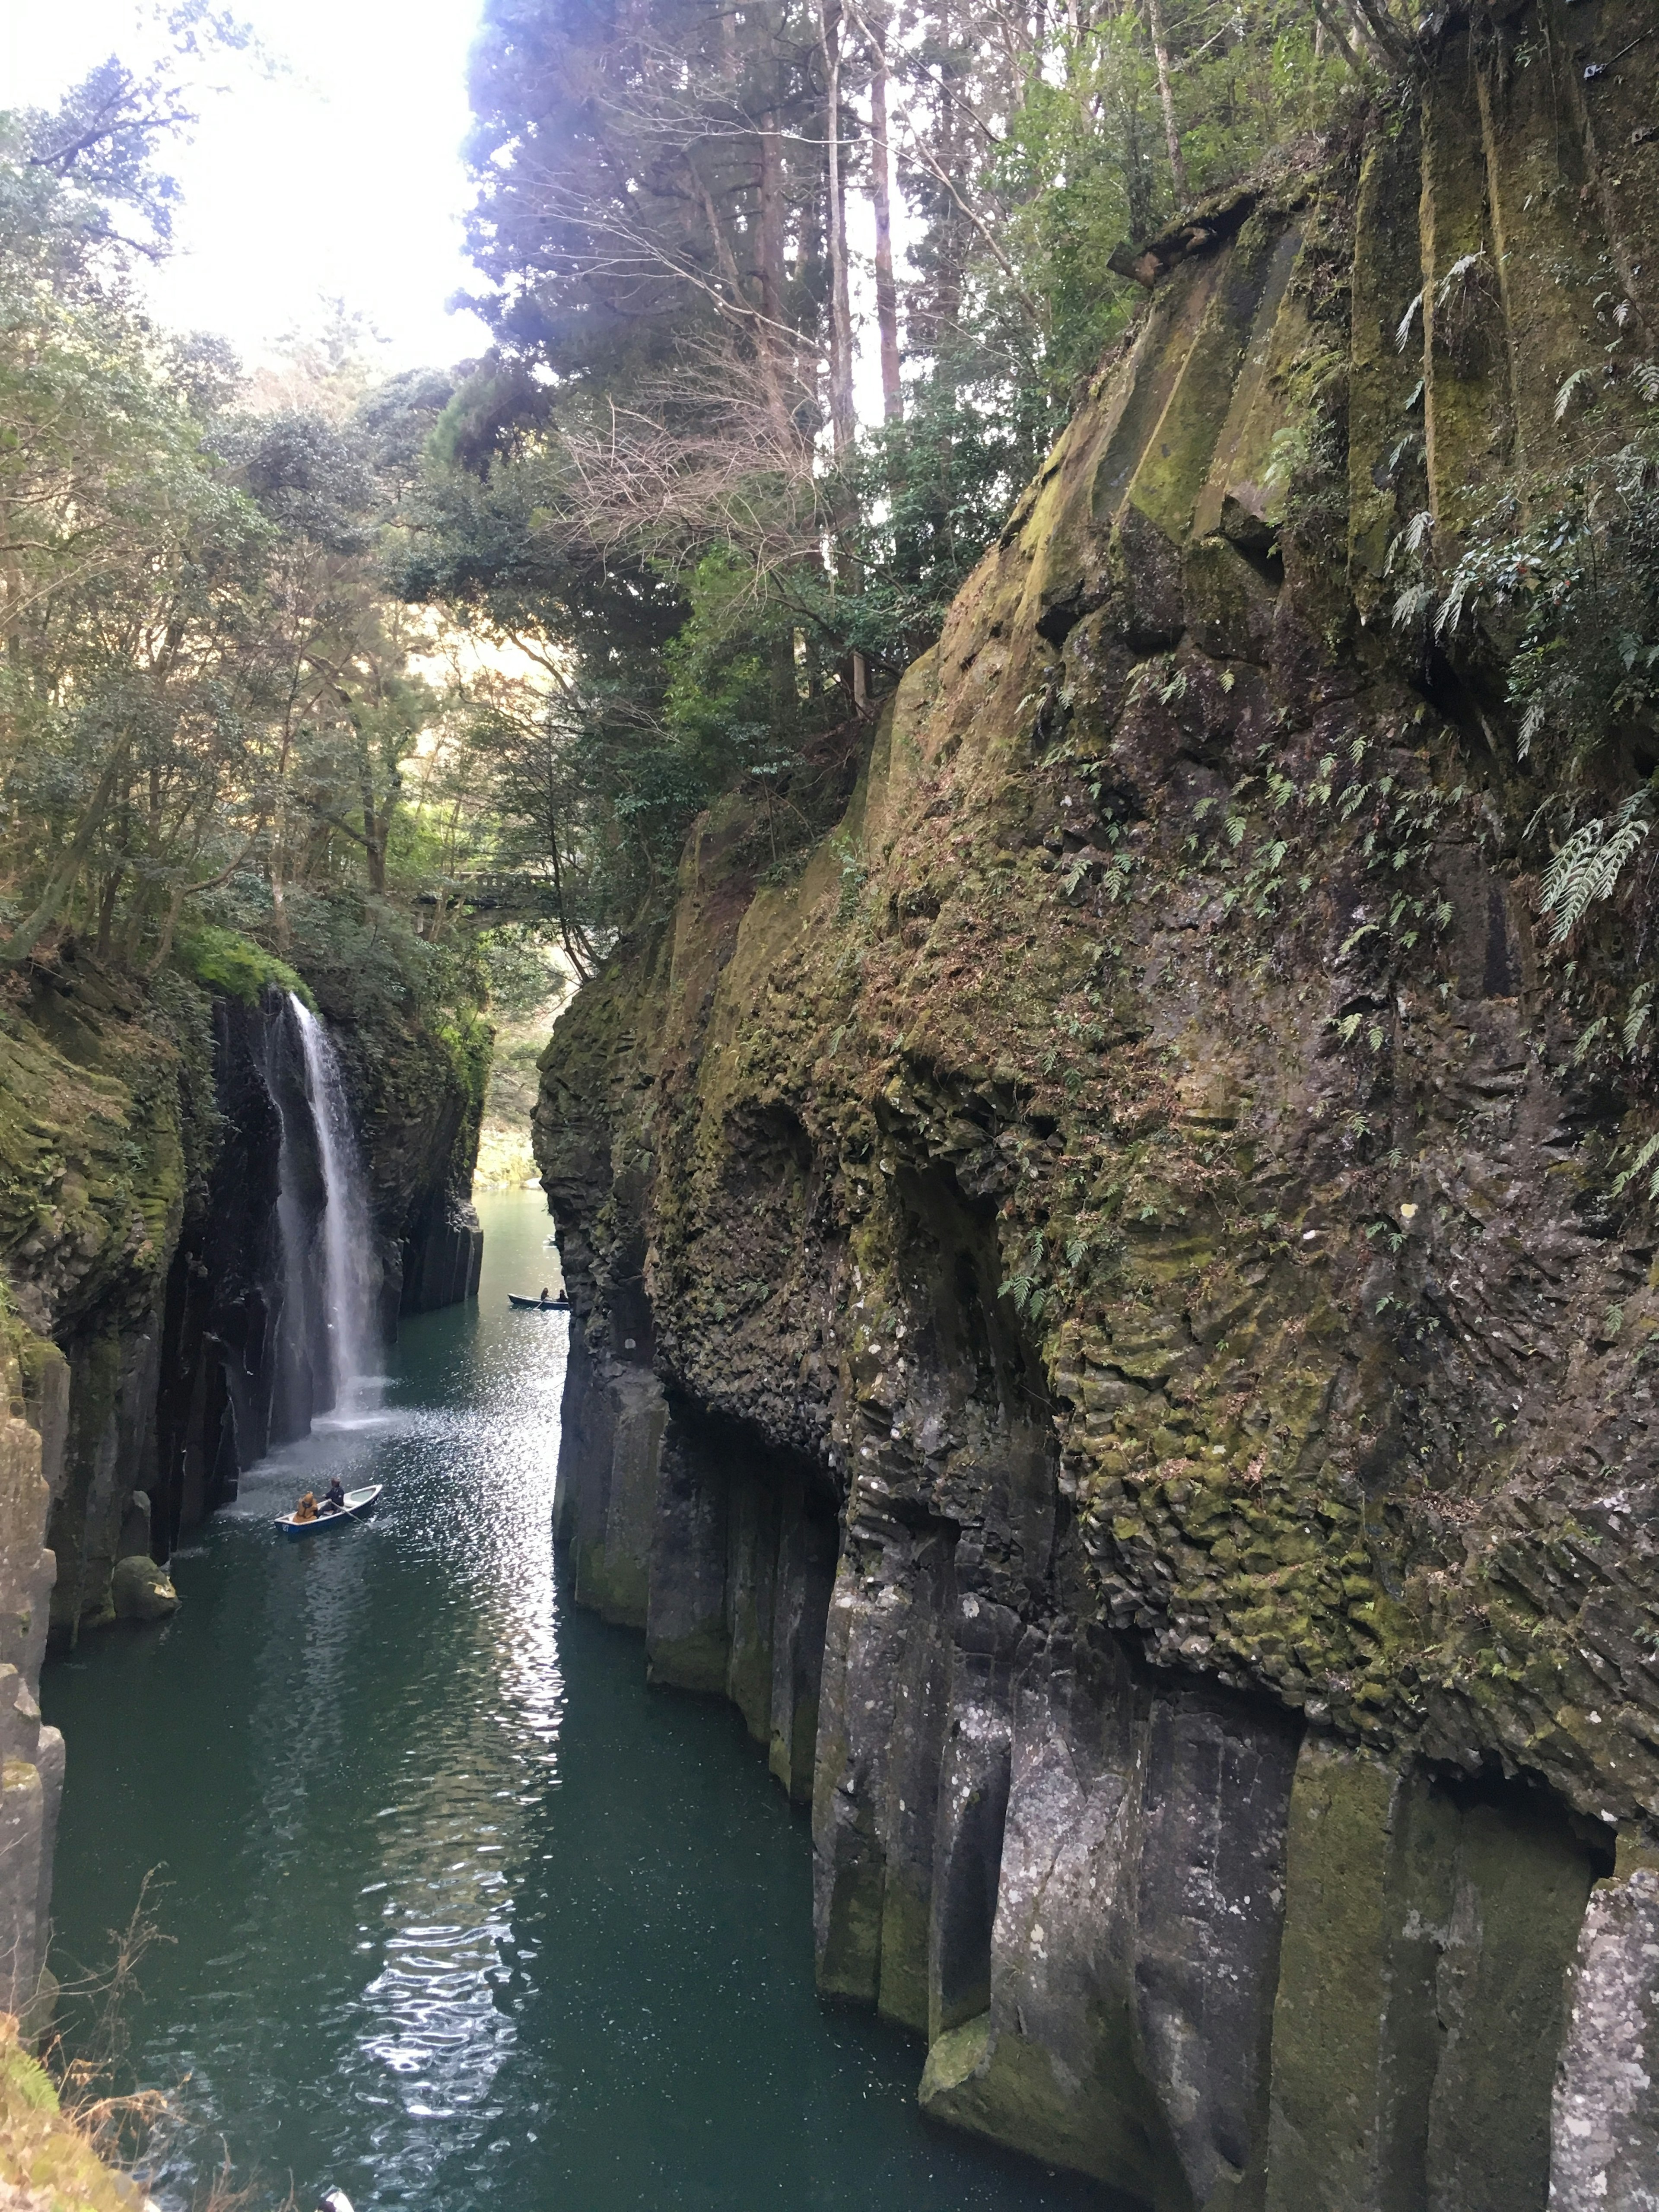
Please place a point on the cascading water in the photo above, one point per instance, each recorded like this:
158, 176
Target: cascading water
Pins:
348, 1274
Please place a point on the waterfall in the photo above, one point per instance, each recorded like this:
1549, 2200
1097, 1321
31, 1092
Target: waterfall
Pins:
347, 1273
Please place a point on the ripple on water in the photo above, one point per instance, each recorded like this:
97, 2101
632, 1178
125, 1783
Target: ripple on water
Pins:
452, 1893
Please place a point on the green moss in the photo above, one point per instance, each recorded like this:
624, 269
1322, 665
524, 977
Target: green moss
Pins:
225, 961
1189, 1066
901, 1994
991, 2081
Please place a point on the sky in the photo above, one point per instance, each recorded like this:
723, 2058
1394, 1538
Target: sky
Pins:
337, 174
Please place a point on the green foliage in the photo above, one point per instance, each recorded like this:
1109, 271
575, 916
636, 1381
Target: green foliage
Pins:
1555, 591
469, 1042
225, 961
931, 492
209, 701
1571, 596
656, 488
1589, 864
521, 972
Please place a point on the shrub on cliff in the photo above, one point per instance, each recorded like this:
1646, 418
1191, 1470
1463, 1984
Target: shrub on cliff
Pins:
225, 960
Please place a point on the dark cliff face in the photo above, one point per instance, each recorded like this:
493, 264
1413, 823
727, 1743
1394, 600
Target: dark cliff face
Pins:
1139, 1181
245, 1359
417, 1094
145, 1135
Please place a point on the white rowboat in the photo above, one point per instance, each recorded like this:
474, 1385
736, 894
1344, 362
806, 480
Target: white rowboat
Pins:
357, 1503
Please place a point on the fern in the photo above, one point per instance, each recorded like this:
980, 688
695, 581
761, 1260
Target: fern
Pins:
1460, 273
1644, 1158
1416, 600
1581, 1049
1649, 1152
1291, 450
1580, 380
1589, 866
1451, 611
1403, 334
1635, 1019
1412, 539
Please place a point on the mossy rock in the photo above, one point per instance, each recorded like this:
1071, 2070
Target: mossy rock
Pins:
225, 961
141, 1590
47, 2163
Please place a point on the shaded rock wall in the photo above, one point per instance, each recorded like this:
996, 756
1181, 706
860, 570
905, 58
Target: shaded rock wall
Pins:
33, 1431
1140, 1177
244, 1360
418, 1096
146, 1137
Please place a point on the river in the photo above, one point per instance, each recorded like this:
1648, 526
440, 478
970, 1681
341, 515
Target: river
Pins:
459, 1913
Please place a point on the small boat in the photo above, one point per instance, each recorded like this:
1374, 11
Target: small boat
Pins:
561, 1304
357, 1503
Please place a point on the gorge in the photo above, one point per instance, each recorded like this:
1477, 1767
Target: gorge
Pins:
1106, 1187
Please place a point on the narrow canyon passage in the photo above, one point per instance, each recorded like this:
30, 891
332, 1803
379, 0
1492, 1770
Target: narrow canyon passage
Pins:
460, 1911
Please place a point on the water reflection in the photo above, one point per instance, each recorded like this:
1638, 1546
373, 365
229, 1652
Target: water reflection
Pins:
455, 1896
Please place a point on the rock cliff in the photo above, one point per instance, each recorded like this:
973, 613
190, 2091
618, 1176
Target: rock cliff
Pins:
144, 1132
1109, 1319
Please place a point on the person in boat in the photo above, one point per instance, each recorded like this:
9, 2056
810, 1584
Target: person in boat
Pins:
546, 1297
306, 1508
335, 1501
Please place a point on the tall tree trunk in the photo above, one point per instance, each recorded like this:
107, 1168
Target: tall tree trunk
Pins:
1166, 96
881, 197
18, 947
771, 228
112, 891
843, 421
377, 821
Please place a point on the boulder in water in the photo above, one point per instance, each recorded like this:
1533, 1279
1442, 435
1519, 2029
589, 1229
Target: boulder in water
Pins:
141, 1591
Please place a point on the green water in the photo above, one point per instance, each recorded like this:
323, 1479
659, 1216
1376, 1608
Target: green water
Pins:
462, 1915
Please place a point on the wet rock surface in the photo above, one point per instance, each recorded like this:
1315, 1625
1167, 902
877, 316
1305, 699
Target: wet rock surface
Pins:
1135, 1189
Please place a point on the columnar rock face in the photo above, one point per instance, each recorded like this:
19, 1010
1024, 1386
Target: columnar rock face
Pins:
1140, 1198
34, 1426
1606, 2117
